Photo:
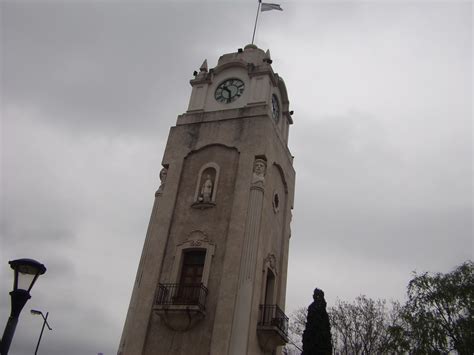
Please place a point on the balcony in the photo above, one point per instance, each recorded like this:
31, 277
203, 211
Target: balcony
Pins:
181, 306
272, 327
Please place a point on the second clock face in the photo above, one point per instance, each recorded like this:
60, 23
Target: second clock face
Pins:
275, 108
229, 90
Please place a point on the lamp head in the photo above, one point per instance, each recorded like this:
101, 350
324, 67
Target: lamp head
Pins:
26, 271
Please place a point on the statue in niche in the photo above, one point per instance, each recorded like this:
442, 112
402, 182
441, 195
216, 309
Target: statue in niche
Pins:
206, 190
163, 175
259, 169
205, 193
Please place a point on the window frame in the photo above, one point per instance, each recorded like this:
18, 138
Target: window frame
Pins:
197, 240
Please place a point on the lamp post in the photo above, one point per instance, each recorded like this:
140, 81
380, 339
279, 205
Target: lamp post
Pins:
45, 322
26, 272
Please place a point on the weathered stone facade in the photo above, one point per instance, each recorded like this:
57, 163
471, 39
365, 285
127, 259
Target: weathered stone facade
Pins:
227, 192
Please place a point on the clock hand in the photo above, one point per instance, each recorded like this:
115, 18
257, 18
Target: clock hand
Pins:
228, 97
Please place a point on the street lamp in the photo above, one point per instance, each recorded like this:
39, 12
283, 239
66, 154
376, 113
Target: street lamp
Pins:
26, 272
45, 322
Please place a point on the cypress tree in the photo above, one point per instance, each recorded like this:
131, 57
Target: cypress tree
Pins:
317, 333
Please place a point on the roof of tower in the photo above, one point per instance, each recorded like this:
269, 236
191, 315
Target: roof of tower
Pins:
250, 54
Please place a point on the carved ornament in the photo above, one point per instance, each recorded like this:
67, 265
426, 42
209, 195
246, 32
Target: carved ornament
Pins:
163, 175
270, 261
259, 170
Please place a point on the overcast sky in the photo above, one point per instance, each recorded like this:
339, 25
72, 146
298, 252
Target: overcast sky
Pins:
382, 139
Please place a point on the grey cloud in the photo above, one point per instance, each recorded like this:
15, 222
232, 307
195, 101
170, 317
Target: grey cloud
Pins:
367, 198
382, 142
106, 66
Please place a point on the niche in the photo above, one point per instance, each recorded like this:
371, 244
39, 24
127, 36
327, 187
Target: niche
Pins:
206, 187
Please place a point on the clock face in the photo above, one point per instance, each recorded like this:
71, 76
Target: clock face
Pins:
229, 90
275, 108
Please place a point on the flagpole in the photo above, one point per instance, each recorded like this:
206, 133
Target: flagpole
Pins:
256, 19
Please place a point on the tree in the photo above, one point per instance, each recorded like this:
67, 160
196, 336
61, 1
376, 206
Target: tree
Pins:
297, 324
436, 319
363, 326
438, 316
317, 333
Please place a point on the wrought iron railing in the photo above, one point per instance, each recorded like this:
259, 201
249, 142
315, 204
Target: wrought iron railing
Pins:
272, 315
182, 294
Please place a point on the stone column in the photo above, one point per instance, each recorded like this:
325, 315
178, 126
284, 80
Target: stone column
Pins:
243, 304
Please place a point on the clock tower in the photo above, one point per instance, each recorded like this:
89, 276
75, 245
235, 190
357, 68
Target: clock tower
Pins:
212, 275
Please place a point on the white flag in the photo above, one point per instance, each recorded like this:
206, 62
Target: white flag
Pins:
268, 6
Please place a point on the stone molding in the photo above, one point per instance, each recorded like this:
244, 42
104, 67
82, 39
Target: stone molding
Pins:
196, 240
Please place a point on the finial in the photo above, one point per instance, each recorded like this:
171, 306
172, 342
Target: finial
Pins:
203, 67
267, 58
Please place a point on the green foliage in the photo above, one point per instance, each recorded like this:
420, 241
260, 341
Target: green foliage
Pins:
438, 316
436, 319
